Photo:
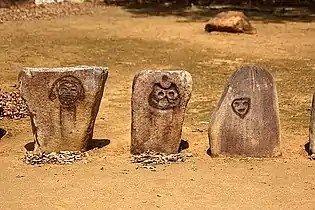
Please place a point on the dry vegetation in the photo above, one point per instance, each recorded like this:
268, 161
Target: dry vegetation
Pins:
127, 43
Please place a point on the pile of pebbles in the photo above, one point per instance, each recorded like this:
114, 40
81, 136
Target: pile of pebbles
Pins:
150, 159
12, 106
63, 157
49, 11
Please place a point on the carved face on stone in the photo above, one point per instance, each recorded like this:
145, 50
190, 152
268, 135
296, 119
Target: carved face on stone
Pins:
241, 106
164, 95
68, 89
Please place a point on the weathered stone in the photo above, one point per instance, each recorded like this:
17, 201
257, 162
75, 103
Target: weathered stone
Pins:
230, 21
312, 128
246, 119
63, 104
159, 100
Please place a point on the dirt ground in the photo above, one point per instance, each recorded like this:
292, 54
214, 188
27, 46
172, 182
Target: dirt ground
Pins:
128, 43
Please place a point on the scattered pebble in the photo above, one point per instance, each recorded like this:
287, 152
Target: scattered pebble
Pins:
149, 159
12, 106
63, 157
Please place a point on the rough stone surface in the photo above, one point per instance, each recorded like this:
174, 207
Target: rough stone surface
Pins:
63, 104
246, 119
312, 130
159, 100
230, 21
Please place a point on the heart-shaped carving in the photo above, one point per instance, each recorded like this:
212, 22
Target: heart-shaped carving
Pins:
241, 106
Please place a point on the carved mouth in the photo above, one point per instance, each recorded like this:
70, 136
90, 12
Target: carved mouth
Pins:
243, 110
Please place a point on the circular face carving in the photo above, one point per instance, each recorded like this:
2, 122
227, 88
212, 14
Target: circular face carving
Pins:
68, 89
164, 96
241, 106
68, 93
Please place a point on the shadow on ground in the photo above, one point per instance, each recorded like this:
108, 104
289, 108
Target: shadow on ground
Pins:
98, 143
307, 148
2, 132
93, 144
203, 13
183, 145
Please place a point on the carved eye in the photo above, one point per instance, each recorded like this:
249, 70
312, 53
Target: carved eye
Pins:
63, 90
245, 103
160, 94
171, 94
73, 89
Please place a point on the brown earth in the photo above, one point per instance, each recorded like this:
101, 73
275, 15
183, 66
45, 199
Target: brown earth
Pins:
127, 44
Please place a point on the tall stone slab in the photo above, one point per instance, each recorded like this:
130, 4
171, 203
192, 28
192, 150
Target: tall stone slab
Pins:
63, 104
159, 100
312, 129
246, 119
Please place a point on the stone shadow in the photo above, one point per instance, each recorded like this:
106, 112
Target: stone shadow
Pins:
209, 152
29, 146
97, 144
93, 144
2, 132
307, 148
183, 145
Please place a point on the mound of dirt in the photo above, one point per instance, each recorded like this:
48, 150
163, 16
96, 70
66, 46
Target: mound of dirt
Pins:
230, 21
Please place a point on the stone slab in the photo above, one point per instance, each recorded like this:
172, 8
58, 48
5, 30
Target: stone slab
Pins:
63, 105
312, 128
159, 100
246, 119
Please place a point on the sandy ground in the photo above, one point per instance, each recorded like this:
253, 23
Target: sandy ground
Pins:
128, 43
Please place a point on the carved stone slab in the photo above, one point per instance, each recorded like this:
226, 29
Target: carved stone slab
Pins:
246, 119
159, 100
312, 128
63, 104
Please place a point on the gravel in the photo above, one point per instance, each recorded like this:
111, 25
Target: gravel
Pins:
48, 11
63, 157
12, 106
150, 159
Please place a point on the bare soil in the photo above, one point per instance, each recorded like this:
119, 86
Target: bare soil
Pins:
128, 43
